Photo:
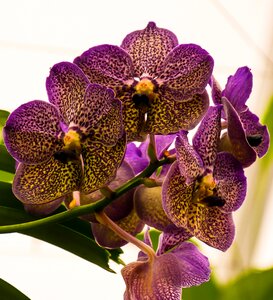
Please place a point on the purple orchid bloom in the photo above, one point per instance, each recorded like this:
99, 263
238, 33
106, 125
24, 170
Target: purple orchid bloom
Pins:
74, 143
161, 84
203, 187
163, 276
245, 138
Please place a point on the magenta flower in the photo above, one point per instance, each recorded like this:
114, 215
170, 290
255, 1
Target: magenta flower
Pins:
245, 138
74, 143
203, 187
163, 276
161, 84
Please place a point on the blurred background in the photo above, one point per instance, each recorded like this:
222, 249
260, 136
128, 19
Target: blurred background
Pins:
36, 34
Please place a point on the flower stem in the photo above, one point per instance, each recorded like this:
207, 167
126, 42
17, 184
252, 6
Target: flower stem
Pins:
152, 149
89, 208
105, 220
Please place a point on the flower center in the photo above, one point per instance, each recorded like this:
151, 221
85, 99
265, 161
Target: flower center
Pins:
72, 147
144, 93
204, 193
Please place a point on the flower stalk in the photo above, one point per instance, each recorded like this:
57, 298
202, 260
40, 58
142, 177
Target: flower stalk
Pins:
105, 220
90, 208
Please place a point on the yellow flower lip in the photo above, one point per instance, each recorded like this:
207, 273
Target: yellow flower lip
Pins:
204, 189
145, 87
72, 137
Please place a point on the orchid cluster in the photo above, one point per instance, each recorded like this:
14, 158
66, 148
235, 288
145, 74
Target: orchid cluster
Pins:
119, 118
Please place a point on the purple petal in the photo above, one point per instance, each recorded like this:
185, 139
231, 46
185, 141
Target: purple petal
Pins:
66, 86
171, 237
167, 116
109, 239
186, 71
216, 91
100, 163
135, 158
163, 277
159, 280
189, 162
231, 181
31, 132
108, 65
148, 205
162, 143
235, 140
101, 115
238, 88
193, 265
46, 182
257, 135
206, 139
148, 48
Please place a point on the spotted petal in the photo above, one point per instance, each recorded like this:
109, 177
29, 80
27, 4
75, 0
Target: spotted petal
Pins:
189, 162
207, 136
31, 132
133, 118
45, 182
66, 86
235, 141
100, 163
257, 134
209, 224
214, 227
109, 239
176, 197
100, 116
238, 88
108, 65
186, 71
148, 48
166, 116
231, 181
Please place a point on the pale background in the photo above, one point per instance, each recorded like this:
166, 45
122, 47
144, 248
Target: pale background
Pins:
36, 34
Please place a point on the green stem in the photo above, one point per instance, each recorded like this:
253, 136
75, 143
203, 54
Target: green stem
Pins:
89, 208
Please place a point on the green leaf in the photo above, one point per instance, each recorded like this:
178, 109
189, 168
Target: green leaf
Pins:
3, 118
7, 163
9, 292
7, 198
257, 285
